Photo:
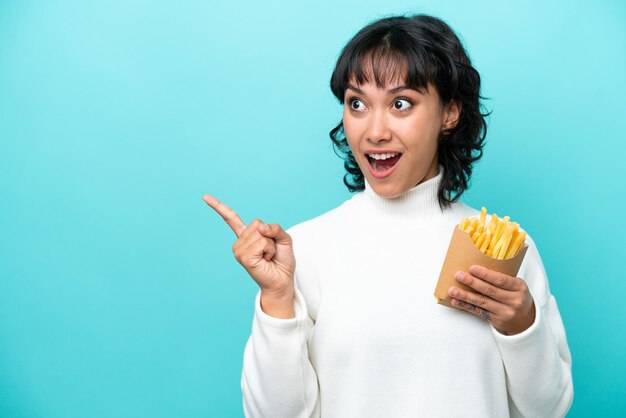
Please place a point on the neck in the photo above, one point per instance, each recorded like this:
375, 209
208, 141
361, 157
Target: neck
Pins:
417, 205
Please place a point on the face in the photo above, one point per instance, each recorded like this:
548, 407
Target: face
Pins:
399, 121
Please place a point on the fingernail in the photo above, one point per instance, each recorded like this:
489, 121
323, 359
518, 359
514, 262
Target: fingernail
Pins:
475, 269
459, 275
452, 291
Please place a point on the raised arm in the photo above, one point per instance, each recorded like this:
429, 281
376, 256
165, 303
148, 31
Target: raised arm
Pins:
278, 379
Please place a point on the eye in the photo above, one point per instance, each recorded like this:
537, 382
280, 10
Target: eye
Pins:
397, 104
355, 104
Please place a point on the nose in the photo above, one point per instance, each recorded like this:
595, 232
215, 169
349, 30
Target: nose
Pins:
378, 127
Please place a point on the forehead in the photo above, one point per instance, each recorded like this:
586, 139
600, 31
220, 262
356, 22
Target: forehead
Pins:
381, 68
392, 86
384, 69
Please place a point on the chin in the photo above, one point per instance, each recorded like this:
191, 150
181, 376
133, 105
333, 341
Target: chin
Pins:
387, 190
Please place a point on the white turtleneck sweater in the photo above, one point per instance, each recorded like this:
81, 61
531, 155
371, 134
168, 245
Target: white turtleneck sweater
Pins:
369, 339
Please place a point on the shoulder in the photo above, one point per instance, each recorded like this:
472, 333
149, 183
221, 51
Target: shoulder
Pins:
322, 233
459, 210
325, 222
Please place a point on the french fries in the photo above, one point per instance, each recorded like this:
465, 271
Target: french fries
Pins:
500, 238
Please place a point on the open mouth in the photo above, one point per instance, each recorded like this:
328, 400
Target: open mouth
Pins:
383, 164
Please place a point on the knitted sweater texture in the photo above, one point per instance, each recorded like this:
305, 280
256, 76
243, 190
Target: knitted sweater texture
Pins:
369, 340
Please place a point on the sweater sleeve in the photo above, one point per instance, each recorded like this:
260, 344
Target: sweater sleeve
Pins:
537, 361
278, 379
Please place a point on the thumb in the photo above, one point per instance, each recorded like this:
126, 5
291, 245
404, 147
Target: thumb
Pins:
276, 232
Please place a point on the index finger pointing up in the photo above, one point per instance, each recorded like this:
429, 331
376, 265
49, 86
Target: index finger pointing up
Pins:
230, 216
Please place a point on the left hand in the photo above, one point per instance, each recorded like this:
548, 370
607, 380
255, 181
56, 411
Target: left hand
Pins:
503, 300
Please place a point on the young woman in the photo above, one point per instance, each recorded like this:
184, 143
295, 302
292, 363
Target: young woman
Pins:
352, 329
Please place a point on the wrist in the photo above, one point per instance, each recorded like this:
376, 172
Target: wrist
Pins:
278, 304
522, 325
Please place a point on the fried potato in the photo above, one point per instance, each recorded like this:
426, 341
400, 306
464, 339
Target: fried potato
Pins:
499, 238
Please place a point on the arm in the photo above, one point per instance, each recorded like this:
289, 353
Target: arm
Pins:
538, 361
278, 379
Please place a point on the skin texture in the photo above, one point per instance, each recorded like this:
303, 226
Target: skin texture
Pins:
503, 300
266, 252
407, 121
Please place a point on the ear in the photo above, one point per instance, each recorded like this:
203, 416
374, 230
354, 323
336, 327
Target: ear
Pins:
452, 112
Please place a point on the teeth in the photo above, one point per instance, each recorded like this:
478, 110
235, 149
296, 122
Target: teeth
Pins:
383, 156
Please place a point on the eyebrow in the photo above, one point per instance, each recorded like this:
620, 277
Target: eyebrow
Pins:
390, 91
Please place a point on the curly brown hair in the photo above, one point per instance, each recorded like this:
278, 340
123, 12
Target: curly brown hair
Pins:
423, 49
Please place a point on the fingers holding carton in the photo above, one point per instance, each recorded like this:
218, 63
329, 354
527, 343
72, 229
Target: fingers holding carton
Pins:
503, 300
492, 254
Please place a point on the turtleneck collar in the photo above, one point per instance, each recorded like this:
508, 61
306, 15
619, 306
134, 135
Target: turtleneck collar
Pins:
417, 205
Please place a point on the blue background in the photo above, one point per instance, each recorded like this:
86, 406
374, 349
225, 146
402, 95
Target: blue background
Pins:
119, 292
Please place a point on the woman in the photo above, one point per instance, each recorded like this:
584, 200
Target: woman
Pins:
353, 329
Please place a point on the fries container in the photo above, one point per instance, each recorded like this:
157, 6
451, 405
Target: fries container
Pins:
462, 253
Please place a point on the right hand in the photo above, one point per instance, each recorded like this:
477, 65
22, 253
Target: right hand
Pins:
265, 252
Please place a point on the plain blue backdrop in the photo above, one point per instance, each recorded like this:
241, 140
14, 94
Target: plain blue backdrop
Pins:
119, 292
